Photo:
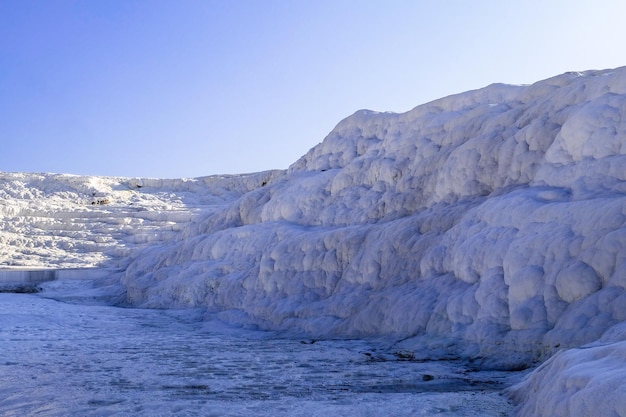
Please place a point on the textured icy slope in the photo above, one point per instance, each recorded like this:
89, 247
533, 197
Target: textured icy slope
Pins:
493, 220
63, 221
488, 225
583, 382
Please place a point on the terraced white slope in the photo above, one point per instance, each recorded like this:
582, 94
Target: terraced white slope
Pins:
68, 221
493, 219
489, 225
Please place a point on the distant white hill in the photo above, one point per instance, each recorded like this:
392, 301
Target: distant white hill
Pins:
71, 221
488, 225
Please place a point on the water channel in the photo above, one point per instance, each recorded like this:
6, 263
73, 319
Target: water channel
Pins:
64, 355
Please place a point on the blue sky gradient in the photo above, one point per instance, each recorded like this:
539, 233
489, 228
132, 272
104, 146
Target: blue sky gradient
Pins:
158, 88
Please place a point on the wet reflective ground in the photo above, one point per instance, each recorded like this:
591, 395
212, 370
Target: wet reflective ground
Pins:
60, 358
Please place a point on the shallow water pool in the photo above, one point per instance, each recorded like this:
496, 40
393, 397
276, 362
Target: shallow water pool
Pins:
61, 358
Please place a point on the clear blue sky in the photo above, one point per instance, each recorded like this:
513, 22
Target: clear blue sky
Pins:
186, 88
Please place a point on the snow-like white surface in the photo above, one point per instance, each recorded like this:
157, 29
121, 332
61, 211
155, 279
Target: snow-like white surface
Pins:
580, 382
70, 221
487, 225
489, 217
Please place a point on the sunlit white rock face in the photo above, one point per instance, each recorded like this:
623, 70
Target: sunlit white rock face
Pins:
486, 224
71, 221
579, 382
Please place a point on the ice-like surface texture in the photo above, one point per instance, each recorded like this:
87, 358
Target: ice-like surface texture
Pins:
580, 382
493, 218
488, 225
70, 221
78, 358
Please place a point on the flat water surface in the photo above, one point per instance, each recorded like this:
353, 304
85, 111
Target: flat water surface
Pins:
62, 357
